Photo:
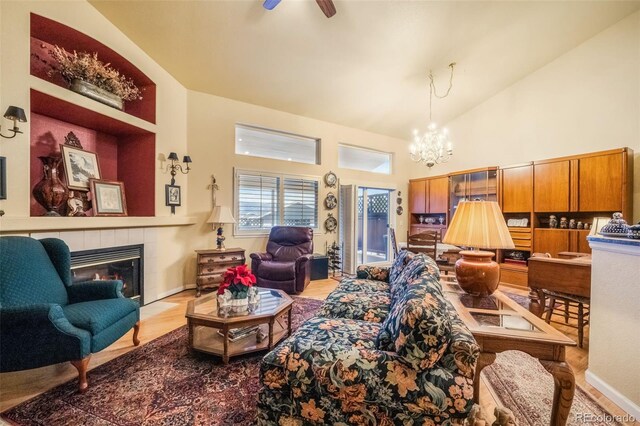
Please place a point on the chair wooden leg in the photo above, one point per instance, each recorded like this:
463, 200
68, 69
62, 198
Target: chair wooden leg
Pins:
550, 308
136, 330
566, 312
81, 365
580, 324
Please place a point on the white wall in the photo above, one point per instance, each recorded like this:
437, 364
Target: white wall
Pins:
211, 141
586, 100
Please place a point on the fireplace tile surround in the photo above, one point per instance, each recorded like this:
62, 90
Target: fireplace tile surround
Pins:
102, 238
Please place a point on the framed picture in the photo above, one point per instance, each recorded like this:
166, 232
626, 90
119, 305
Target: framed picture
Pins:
3, 178
173, 195
108, 198
79, 167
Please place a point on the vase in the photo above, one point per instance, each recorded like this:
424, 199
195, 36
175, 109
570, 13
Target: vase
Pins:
50, 193
97, 94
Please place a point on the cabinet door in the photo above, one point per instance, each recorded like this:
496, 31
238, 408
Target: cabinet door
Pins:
551, 241
517, 189
579, 241
438, 195
551, 183
417, 194
600, 182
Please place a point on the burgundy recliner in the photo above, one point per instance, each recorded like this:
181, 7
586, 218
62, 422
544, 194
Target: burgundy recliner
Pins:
287, 263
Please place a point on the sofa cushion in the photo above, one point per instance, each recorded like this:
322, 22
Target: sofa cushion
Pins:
418, 327
372, 306
401, 260
97, 315
277, 271
363, 285
370, 272
418, 265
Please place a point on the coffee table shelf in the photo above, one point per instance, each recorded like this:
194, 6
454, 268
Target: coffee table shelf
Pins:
205, 321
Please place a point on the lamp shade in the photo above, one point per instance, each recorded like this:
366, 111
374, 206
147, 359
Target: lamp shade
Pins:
15, 113
479, 224
173, 156
221, 214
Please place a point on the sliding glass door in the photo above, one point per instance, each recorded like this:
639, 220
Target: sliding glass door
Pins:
372, 225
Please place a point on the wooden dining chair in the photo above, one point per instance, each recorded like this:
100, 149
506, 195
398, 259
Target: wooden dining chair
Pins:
425, 242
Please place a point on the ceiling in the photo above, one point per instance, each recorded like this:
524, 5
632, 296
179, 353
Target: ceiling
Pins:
367, 66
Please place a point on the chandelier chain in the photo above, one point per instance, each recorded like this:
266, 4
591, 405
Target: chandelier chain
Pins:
434, 92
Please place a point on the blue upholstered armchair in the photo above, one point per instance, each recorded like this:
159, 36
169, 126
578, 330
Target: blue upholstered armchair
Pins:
45, 319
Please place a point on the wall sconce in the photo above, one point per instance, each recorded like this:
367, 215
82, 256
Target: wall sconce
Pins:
173, 167
15, 114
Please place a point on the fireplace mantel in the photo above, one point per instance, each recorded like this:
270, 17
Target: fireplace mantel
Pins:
39, 224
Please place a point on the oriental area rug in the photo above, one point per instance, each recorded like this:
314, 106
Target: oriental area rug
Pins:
164, 383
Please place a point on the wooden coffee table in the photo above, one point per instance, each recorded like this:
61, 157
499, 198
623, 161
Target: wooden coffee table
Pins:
205, 320
500, 324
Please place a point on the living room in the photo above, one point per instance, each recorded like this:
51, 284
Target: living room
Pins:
519, 94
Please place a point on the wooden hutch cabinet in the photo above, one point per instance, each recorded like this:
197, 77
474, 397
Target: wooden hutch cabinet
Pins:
580, 187
428, 199
515, 196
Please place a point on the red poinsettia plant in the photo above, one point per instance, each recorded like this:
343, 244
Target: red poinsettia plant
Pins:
238, 280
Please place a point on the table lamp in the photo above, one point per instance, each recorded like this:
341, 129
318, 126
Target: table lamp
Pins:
220, 215
480, 225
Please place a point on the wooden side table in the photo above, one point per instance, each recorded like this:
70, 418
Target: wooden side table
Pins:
499, 324
212, 265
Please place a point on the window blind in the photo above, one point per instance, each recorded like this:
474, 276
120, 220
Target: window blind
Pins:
300, 202
258, 201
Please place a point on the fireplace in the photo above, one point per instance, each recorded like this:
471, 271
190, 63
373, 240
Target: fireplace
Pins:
123, 263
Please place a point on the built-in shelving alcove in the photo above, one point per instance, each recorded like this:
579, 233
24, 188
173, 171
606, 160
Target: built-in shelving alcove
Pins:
124, 141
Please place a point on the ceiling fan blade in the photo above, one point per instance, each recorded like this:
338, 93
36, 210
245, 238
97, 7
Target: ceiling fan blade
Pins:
327, 7
270, 4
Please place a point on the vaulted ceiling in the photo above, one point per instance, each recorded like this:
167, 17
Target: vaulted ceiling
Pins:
367, 66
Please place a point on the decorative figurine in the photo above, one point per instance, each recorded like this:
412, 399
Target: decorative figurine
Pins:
572, 224
587, 226
504, 417
220, 239
563, 223
580, 225
553, 221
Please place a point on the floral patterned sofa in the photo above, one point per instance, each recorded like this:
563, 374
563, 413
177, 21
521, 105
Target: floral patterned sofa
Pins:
385, 348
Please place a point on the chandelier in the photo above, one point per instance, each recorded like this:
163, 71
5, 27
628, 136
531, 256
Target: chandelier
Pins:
434, 146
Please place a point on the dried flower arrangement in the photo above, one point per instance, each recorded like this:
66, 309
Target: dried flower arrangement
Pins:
87, 67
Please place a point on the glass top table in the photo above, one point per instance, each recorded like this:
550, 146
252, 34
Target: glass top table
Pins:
228, 332
499, 324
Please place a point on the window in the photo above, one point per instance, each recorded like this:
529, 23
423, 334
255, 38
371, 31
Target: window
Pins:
264, 200
368, 160
258, 142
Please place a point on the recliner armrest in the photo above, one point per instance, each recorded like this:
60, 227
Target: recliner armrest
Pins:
300, 261
261, 256
95, 290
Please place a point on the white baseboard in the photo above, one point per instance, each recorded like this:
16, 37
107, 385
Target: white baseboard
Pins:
175, 291
611, 393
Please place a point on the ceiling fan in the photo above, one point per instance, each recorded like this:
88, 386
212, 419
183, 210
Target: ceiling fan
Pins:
327, 6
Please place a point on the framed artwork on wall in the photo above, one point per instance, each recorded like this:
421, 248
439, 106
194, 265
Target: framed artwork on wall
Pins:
3, 178
79, 167
108, 198
173, 195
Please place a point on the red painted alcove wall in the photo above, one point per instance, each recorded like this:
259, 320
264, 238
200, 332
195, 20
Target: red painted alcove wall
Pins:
45, 33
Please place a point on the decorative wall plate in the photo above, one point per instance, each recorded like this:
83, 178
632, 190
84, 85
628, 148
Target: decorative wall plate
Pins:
330, 224
399, 199
399, 210
330, 179
331, 202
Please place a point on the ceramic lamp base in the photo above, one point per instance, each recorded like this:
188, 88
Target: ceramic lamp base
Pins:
476, 273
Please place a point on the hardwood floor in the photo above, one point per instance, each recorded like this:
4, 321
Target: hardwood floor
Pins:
20, 386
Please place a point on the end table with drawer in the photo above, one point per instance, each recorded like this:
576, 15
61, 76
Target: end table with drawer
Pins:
212, 265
